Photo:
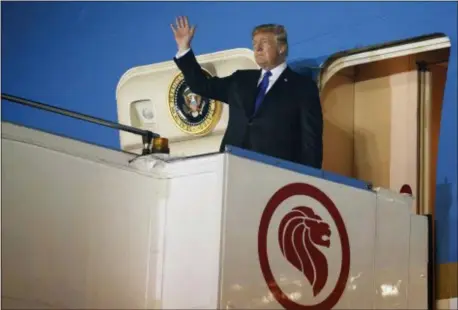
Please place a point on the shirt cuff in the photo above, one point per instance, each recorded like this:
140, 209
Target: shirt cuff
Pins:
182, 53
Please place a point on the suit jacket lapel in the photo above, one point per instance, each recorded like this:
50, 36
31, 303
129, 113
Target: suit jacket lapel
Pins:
251, 91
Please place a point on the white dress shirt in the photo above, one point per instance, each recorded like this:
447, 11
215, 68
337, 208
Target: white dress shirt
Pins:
276, 72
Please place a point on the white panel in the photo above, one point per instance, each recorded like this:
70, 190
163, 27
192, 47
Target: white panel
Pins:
60, 144
454, 303
392, 252
418, 263
443, 304
446, 304
94, 232
75, 233
243, 284
191, 261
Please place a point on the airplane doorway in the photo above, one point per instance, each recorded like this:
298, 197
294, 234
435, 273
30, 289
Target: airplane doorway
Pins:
382, 110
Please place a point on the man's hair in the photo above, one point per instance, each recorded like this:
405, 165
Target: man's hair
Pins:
278, 30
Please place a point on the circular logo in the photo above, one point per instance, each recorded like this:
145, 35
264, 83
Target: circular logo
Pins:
299, 233
192, 113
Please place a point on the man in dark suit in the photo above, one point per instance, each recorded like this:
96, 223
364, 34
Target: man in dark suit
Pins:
273, 111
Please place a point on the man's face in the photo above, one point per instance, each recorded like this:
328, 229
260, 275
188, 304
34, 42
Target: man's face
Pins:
266, 51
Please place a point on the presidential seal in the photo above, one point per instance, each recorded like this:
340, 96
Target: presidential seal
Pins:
191, 112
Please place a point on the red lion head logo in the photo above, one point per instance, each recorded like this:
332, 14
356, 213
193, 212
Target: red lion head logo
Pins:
300, 234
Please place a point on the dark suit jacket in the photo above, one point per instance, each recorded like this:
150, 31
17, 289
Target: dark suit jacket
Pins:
288, 124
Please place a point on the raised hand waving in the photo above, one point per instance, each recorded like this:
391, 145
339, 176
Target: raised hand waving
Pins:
183, 32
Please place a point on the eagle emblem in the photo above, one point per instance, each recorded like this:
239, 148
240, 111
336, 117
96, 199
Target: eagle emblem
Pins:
191, 112
194, 104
